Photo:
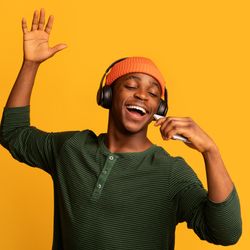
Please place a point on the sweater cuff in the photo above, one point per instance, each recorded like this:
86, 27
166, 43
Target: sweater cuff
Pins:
15, 117
231, 197
16, 109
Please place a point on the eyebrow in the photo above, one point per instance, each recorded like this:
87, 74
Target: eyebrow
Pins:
138, 78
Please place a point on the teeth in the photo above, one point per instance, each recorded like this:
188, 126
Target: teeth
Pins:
138, 108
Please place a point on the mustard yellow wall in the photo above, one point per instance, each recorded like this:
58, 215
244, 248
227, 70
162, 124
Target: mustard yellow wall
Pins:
202, 48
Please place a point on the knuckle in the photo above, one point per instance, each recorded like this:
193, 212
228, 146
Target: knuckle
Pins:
171, 122
175, 127
191, 126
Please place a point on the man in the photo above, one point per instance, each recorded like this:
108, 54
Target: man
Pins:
118, 190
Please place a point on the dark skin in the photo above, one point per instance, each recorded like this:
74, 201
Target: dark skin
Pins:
126, 132
143, 90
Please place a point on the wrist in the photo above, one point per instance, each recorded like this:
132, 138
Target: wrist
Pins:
30, 64
211, 150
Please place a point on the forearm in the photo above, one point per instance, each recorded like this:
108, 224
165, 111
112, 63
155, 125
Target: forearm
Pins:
22, 89
219, 182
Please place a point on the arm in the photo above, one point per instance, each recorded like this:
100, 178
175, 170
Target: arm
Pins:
36, 50
219, 182
216, 218
26, 143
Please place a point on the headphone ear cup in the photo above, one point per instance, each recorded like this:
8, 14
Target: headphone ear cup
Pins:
105, 97
163, 108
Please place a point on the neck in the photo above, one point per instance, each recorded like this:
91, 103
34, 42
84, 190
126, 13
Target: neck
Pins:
124, 141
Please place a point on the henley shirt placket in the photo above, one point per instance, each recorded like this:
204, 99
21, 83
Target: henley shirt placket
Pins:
109, 163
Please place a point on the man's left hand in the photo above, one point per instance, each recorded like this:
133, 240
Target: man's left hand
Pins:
185, 126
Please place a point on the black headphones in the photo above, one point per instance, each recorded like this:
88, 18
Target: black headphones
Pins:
104, 94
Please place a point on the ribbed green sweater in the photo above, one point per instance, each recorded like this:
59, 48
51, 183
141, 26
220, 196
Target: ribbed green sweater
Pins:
118, 201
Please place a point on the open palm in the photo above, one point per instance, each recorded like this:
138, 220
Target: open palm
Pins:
35, 42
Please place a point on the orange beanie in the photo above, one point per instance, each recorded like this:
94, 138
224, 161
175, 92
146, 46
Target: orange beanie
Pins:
133, 65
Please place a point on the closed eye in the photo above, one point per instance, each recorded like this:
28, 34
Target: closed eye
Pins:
153, 94
130, 87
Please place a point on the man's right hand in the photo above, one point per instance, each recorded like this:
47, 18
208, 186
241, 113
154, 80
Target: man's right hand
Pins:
35, 42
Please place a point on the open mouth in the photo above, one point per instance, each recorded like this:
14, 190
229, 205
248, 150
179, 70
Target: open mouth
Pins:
136, 110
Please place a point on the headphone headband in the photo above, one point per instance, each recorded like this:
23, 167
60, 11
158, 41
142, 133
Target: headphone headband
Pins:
104, 94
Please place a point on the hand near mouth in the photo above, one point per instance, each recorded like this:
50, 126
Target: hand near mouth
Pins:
185, 126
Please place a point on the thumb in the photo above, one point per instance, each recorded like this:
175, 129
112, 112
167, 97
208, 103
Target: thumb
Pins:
57, 48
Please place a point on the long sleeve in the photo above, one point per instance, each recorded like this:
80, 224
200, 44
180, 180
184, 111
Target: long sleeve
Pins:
218, 223
28, 144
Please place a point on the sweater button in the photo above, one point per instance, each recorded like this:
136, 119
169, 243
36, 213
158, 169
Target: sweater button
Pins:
111, 157
99, 185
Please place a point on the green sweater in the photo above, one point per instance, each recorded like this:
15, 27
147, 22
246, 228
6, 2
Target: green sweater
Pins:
118, 201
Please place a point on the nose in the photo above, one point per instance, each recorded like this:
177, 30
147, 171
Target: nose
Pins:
141, 94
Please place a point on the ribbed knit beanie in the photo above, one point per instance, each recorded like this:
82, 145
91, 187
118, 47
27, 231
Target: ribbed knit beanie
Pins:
135, 65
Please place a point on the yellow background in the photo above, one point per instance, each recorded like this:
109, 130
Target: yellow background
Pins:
201, 47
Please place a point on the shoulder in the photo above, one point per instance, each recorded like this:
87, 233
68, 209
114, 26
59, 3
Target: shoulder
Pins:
76, 141
163, 157
82, 136
176, 166
179, 173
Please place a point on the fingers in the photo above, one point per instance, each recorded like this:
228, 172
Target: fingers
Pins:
173, 125
41, 20
160, 121
49, 24
35, 20
176, 130
177, 127
168, 119
173, 122
38, 22
24, 26
187, 128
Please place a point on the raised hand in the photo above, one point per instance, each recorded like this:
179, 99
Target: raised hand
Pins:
35, 42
